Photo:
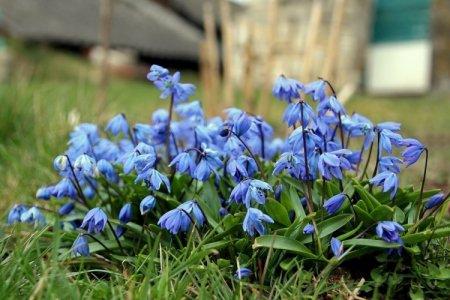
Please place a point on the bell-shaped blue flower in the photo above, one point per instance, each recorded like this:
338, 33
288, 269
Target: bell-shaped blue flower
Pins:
292, 163
147, 204
331, 164
435, 200
107, 170
15, 213
179, 219
413, 151
242, 273
118, 124
44, 193
64, 188
308, 229
33, 215
66, 208
390, 163
389, 231
286, 88
248, 190
336, 247
316, 90
388, 139
85, 165
94, 221
157, 73
80, 246
388, 180
125, 213
183, 162
333, 204
253, 221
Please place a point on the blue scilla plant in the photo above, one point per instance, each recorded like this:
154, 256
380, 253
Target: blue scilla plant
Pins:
327, 193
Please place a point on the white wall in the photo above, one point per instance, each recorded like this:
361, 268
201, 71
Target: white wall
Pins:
400, 67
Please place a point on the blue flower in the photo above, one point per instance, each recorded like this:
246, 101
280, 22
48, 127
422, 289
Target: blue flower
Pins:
330, 104
295, 140
94, 221
44, 193
243, 273
143, 133
392, 126
241, 167
308, 229
85, 165
286, 88
192, 207
316, 89
209, 163
389, 138
118, 124
333, 204
154, 179
170, 85
66, 208
107, 150
15, 213
32, 215
125, 213
388, 180
250, 189
413, 151
183, 162
65, 188
107, 170
147, 204
242, 124
157, 73
80, 246
390, 163
292, 163
179, 219
188, 110
331, 164
120, 230
293, 114
435, 200
61, 164
336, 247
389, 231
253, 221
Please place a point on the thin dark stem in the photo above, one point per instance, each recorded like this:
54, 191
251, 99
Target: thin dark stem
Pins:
424, 176
261, 135
175, 142
77, 183
378, 155
116, 237
414, 227
130, 133
348, 139
341, 130
369, 156
168, 128
251, 154
97, 240
142, 231
360, 159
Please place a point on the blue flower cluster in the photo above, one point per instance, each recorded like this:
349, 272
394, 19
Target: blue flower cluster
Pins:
238, 151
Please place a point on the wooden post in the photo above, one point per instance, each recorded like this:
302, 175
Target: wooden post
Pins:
311, 40
332, 51
106, 11
227, 52
269, 60
248, 88
212, 54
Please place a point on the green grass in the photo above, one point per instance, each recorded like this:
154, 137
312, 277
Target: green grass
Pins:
50, 91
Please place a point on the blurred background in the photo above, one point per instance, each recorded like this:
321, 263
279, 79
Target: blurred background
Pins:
63, 62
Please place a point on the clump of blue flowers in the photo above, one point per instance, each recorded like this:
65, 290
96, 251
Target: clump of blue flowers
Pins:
332, 184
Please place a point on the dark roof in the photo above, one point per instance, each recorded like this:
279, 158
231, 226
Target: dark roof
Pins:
139, 24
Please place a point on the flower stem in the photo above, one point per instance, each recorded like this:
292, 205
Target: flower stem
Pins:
77, 183
168, 129
263, 175
369, 156
261, 135
424, 176
97, 240
116, 237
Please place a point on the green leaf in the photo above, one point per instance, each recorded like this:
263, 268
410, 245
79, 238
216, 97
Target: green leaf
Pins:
419, 237
362, 214
277, 211
370, 201
399, 215
382, 213
329, 226
282, 243
370, 243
